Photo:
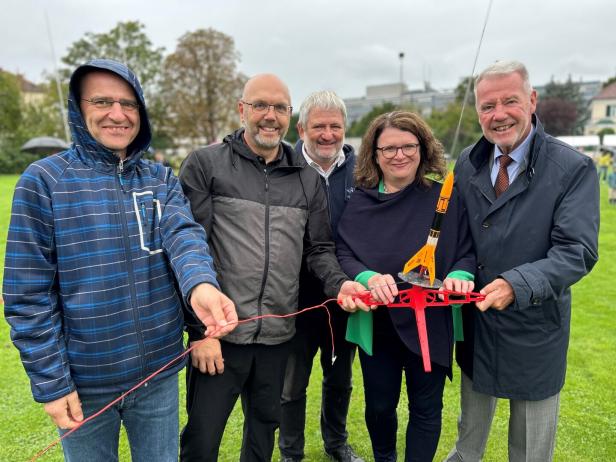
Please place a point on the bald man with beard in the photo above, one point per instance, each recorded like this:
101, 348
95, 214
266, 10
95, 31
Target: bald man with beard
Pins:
263, 209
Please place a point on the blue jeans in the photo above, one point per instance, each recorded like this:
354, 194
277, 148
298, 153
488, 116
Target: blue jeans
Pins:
151, 419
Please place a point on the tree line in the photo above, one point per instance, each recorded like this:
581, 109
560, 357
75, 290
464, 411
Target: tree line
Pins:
192, 94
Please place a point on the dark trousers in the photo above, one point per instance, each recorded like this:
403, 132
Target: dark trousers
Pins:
336, 388
256, 372
382, 383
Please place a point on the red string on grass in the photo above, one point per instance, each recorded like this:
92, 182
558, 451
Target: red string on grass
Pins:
188, 350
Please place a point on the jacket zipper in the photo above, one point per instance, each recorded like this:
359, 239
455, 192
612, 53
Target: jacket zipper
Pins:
266, 262
329, 205
129, 265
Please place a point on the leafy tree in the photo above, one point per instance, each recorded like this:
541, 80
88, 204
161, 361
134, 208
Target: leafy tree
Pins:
127, 42
201, 86
559, 116
43, 118
292, 134
359, 127
10, 102
445, 122
461, 91
609, 81
565, 97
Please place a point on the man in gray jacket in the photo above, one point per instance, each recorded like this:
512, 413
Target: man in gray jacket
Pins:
533, 208
263, 208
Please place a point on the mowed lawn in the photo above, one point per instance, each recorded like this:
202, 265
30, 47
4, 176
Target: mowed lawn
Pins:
587, 426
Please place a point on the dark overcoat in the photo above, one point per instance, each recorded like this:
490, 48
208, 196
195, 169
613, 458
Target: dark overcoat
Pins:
541, 236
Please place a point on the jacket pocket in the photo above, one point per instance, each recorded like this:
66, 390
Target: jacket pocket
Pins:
147, 212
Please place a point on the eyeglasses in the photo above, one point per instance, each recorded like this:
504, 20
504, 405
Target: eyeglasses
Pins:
107, 103
261, 107
389, 152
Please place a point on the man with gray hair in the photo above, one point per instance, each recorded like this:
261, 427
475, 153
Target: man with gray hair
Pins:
321, 126
533, 209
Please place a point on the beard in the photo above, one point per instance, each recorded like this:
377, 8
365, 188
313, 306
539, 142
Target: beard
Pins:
263, 142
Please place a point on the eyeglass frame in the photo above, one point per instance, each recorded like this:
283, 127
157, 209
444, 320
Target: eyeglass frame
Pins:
287, 109
126, 104
415, 147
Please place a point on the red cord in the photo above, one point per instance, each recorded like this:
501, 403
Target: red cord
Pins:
188, 350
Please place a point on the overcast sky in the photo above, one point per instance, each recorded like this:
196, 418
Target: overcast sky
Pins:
339, 45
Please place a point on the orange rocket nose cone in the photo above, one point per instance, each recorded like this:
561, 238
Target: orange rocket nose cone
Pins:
447, 186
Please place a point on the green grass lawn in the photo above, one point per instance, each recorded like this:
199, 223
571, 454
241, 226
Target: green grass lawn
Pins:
587, 426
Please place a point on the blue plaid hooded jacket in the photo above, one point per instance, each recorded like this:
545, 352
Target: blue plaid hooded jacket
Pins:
99, 255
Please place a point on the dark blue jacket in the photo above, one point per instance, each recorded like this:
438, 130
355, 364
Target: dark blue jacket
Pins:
99, 255
540, 236
338, 187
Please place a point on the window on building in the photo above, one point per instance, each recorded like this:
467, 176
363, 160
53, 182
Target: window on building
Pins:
610, 110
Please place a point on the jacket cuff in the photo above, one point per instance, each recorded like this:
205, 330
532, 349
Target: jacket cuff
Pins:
364, 277
461, 275
526, 286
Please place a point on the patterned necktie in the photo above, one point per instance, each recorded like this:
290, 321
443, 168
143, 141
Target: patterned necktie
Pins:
502, 178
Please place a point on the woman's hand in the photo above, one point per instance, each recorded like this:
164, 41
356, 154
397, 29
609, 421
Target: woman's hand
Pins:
383, 288
458, 285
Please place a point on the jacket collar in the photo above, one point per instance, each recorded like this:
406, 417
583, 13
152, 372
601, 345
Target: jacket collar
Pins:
482, 150
479, 157
347, 150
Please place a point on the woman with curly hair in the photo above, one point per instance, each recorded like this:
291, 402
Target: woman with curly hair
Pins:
385, 222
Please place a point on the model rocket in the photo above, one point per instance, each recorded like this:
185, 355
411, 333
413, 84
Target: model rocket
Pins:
424, 259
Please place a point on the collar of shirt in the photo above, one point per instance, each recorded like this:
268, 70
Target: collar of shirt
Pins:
518, 155
340, 158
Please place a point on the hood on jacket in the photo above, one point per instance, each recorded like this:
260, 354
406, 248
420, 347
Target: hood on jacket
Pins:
83, 140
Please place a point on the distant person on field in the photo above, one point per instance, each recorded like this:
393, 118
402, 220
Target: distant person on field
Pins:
611, 182
102, 251
160, 158
605, 161
533, 210
321, 126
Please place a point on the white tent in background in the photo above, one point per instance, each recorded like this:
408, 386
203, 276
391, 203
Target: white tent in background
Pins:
609, 140
587, 144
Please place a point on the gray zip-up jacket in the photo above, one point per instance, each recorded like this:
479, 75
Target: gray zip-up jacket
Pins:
260, 219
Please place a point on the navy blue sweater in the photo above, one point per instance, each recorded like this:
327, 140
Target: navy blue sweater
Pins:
338, 187
380, 232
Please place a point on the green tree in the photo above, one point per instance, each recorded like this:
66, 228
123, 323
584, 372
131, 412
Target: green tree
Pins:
201, 86
609, 81
43, 118
359, 127
10, 104
445, 122
14, 126
292, 134
461, 91
127, 42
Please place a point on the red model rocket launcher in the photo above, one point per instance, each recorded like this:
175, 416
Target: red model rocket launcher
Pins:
425, 291
419, 298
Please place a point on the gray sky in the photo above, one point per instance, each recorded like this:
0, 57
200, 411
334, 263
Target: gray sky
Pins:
339, 45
